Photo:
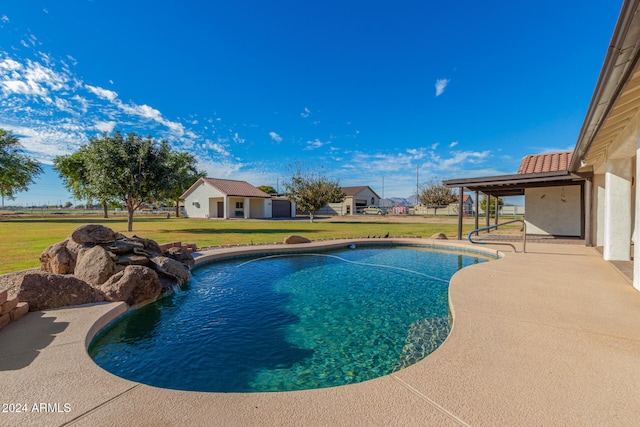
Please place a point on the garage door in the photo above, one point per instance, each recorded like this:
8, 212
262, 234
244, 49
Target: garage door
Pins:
281, 209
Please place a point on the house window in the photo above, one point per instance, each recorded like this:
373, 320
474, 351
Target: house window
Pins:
239, 205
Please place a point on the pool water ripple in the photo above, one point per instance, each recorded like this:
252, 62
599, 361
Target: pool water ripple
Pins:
288, 322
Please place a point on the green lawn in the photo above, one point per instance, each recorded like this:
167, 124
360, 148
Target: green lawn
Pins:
23, 239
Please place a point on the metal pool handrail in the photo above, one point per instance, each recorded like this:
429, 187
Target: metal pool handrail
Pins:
480, 242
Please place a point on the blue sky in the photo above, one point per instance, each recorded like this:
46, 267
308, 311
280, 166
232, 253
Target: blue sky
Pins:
365, 90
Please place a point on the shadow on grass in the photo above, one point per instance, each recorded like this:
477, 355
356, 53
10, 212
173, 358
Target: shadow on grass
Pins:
69, 220
242, 231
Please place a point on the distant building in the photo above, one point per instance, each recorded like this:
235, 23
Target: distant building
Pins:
226, 198
356, 199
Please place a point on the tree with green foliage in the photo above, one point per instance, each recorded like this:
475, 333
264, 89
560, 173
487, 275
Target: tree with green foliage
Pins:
492, 205
311, 191
436, 195
267, 189
182, 172
72, 168
131, 169
17, 170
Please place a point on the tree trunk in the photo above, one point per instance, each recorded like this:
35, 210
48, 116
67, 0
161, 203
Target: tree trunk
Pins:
130, 211
310, 216
177, 208
105, 209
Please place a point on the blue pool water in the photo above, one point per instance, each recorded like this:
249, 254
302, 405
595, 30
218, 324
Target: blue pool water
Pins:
288, 322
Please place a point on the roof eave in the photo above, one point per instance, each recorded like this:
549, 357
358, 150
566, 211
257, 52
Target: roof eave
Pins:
618, 66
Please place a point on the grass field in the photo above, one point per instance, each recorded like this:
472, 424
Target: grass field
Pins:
22, 240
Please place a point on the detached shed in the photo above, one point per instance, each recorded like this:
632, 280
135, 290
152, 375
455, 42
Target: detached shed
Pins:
226, 198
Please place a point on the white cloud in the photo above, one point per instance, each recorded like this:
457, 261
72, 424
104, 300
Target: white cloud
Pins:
274, 136
107, 94
224, 169
305, 113
151, 113
31, 79
105, 126
416, 154
10, 65
441, 84
21, 88
312, 145
4, 18
217, 147
43, 142
453, 144
458, 159
236, 138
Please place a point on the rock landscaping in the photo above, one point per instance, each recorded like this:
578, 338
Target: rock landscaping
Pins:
96, 264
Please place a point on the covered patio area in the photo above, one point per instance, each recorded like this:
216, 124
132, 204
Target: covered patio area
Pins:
545, 216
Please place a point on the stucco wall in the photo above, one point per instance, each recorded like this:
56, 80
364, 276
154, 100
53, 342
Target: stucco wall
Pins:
553, 210
196, 204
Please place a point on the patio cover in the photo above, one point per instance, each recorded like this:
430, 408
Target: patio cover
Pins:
514, 185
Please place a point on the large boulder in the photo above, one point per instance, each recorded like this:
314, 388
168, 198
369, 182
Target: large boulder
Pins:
181, 255
58, 259
439, 236
44, 290
172, 268
134, 285
295, 239
94, 234
95, 265
123, 246
149, 247
132, 259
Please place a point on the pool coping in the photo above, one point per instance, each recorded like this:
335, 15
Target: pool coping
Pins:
550, 360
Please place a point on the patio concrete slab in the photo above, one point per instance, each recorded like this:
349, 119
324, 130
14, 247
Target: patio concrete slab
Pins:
550, 337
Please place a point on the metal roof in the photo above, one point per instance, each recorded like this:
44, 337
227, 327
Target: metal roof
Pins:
230, 187
550, 162
514, 185
353, 191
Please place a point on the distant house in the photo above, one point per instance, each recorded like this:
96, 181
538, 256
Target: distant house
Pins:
467, 205
226, 198
356, 199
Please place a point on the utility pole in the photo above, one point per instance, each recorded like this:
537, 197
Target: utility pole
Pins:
417, 185
382, 201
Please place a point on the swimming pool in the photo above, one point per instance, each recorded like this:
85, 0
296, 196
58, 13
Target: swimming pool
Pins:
288, 322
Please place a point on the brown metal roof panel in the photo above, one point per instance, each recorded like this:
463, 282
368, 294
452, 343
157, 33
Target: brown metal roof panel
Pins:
540, 163
236, 188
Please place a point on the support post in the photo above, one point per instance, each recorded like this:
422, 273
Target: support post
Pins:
460, 211
587, 189
487, 210
477, 202
617, 210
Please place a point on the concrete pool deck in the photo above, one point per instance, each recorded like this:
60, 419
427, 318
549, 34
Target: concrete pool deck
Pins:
550, 337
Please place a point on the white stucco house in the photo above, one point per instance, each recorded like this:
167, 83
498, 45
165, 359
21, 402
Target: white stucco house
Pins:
356, 199
226, 198
594, 193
